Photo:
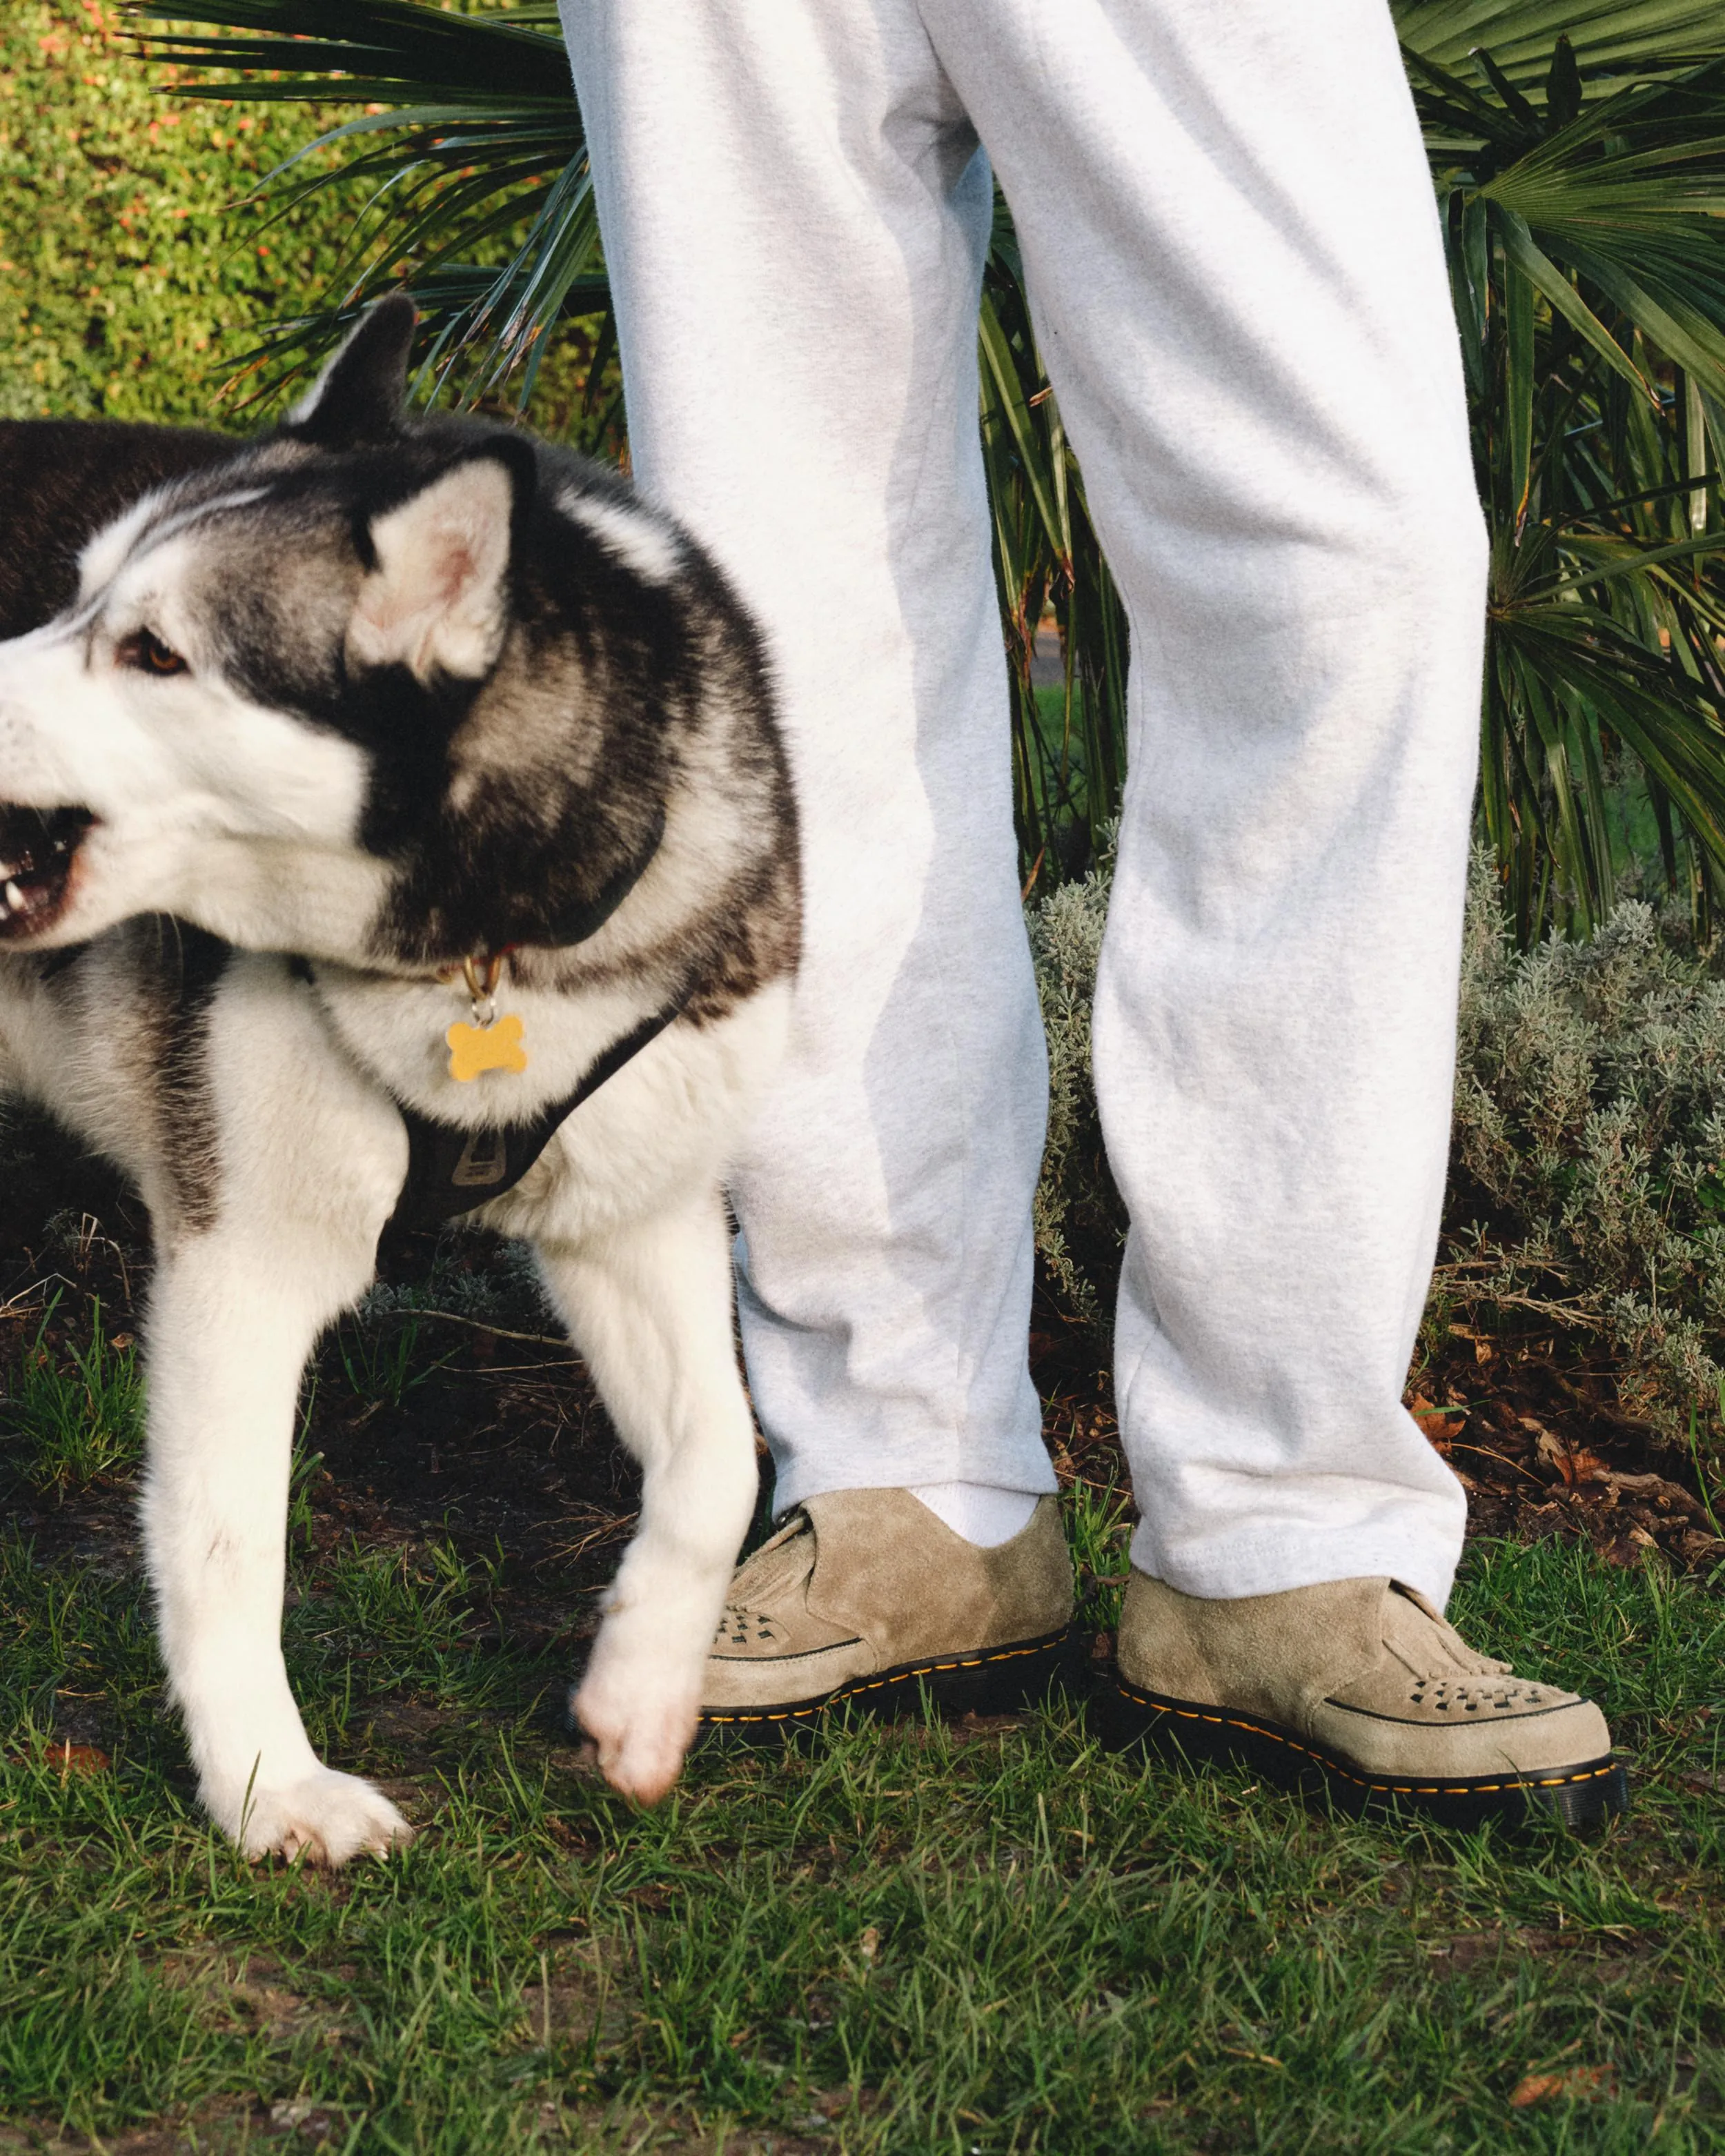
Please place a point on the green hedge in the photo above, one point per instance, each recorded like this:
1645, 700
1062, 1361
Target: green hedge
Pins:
131, 272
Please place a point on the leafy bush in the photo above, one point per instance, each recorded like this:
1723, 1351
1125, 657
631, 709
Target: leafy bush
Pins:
1588, 1167
1079, 1222
1587, 1162
128, 257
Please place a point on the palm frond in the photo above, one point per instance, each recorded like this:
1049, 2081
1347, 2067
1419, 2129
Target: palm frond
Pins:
1578, 148
1520, 35
1587, 262
475, 170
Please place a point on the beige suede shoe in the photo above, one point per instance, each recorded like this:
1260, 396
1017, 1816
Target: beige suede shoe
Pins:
865, 1595
1360, 1687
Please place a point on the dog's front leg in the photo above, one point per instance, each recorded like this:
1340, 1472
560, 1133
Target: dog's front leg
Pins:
649, 1308
230, 1327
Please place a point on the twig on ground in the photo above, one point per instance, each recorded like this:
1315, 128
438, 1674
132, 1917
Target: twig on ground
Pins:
607, 1531
1486, 1452
19, 1305
1566, 1313
483, 1324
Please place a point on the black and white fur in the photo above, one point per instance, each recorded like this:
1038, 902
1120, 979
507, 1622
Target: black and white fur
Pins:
381, 694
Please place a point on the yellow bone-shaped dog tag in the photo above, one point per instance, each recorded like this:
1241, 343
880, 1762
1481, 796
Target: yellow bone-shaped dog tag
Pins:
476, 1048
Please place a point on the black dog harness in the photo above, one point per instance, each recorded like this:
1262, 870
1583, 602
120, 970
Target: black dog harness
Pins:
453, 1168
451, 1171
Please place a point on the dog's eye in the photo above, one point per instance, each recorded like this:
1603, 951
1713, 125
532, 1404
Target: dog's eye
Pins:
145, 651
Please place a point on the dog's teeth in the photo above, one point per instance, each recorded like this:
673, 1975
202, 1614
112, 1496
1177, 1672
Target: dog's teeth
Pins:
14, 898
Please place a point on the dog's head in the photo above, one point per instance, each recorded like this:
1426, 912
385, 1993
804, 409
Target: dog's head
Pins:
342, 693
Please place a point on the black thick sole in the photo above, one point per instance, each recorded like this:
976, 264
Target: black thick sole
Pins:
1584, 1795
990, 1680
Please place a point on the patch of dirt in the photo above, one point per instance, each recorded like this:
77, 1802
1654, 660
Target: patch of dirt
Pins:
1606, 1955
223, 2126
664, 2130
1543, 1447
585, 2001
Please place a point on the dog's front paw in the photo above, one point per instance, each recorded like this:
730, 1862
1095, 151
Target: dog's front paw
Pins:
325, 1818
641, 1724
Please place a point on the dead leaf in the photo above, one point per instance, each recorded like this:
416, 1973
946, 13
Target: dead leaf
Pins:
1574, 1464
1441, 1425
1484, 1348
1580, 2082
77, 1759
869, 1945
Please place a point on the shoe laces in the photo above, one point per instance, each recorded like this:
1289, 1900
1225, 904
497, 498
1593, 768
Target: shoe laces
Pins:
1442, 1696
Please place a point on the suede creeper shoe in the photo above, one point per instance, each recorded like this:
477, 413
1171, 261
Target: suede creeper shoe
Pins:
864, 1595
1359, 1688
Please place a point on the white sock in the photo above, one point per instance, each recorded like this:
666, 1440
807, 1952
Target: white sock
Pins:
982, 1514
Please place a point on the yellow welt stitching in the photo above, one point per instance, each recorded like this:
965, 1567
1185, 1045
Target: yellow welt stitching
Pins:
876, 1684
1360, 1781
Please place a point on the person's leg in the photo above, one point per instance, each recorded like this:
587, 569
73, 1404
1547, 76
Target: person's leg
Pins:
1232, 246
1233, 250
794, 217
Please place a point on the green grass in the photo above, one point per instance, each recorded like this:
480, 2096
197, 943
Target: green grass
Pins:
81, 1421
914, 1939
381, 1362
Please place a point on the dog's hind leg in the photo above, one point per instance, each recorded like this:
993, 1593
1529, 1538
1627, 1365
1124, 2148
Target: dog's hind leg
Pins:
648, 1307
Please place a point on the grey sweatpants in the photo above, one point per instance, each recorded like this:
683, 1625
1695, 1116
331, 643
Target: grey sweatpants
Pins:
1230, 240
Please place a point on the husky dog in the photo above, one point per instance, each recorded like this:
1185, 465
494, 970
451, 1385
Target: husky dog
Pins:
385, 788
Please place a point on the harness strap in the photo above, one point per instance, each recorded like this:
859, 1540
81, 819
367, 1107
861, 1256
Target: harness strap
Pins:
452, 1171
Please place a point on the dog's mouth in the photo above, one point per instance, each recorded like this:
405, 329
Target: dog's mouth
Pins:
38, 847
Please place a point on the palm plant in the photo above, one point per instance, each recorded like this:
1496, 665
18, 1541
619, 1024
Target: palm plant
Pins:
1578, 148
1581, 182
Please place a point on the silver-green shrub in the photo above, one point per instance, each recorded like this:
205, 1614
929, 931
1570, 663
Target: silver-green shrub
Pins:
1587, 1162
1081, 1224
1587, 1186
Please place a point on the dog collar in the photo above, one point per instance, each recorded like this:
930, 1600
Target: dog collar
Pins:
493, 1044
587, 918
454, 1169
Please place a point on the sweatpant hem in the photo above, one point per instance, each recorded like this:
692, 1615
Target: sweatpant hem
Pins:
817, 1480
1224, 1572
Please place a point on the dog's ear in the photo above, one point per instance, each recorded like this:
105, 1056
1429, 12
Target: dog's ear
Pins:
436, 597
358, 397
